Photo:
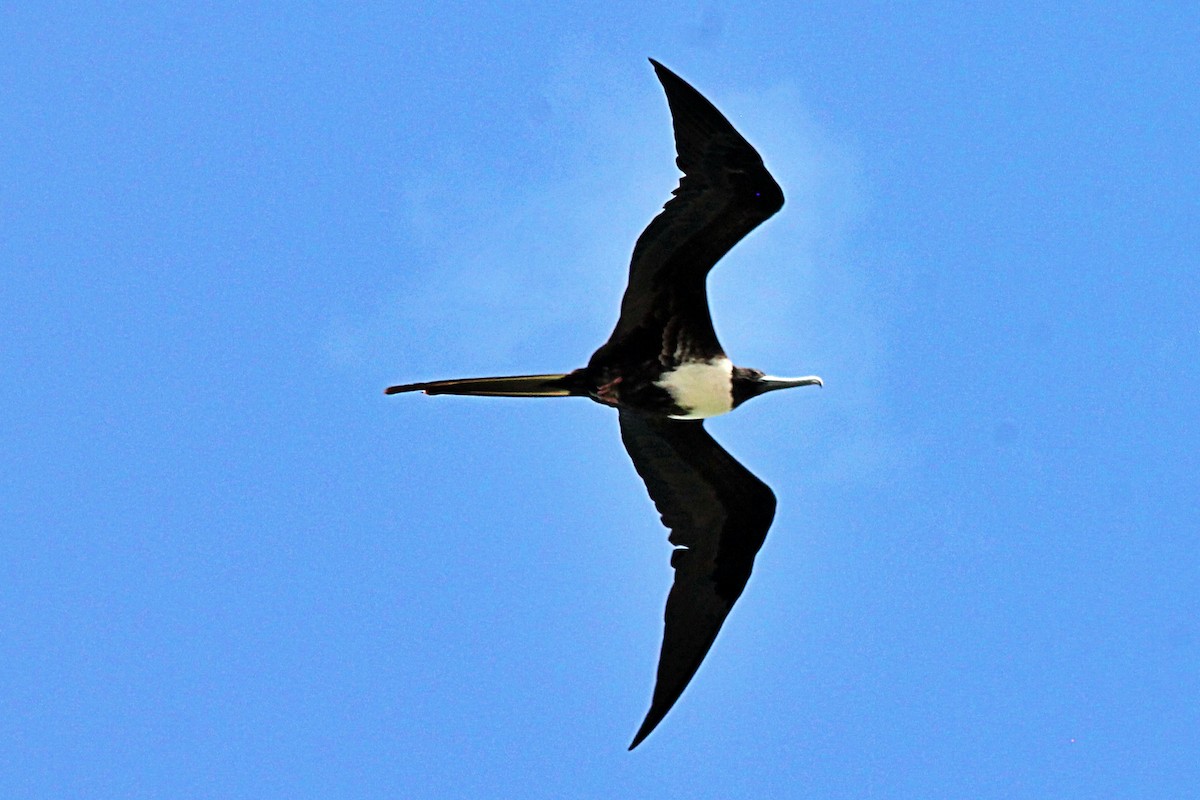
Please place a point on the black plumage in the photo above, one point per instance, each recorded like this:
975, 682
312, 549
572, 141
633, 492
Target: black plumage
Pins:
718, 514
664, 370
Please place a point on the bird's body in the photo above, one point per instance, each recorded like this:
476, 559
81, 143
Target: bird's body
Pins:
665, 371
700, 389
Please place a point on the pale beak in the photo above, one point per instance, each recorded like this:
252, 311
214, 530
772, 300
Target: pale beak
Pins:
769, 383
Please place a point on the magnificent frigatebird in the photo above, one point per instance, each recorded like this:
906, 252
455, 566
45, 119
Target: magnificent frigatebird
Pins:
664, 371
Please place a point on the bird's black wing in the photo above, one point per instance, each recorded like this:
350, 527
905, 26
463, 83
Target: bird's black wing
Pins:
724, 194
718, 514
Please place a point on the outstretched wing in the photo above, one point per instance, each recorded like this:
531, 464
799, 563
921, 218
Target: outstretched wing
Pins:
718, 514
725, 193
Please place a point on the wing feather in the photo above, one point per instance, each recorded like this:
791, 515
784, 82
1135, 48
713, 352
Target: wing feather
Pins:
725, 193
718, 513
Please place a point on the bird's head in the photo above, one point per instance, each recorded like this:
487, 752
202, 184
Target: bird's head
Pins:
748, 383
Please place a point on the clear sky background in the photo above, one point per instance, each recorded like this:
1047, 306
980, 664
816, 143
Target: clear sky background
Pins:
232, 568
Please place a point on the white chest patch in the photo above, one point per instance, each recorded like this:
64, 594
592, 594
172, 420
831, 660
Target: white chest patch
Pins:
703, 388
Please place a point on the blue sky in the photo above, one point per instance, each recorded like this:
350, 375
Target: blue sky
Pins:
233, 568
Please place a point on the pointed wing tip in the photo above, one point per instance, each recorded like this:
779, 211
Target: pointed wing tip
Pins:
657, 713
648, 726
664, 73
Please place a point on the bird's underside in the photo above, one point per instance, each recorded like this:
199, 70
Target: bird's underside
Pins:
663, 369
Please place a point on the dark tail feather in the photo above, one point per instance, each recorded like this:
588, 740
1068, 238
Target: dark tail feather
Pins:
511, 386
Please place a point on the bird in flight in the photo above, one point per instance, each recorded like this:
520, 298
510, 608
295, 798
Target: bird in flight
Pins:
665, 372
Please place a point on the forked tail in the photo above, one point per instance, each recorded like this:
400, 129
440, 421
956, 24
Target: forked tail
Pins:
511, 386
